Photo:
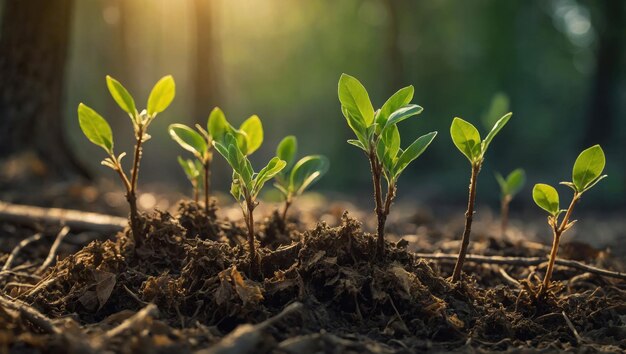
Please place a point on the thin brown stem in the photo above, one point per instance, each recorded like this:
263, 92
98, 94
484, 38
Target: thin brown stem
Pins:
382, 218
469, 214
557, 231
131, 196
196, 193
285, 209
504, 213
249, 215
207, 186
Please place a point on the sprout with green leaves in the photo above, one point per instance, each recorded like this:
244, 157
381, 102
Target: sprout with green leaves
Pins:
587, 172
200, 144
509, 187
378, 136
294, 179
467, 139
98, 131
194, 171
235, 145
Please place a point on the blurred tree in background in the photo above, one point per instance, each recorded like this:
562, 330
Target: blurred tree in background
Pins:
560, 63
34, 45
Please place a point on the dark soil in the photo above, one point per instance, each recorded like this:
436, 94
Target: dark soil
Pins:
193, 267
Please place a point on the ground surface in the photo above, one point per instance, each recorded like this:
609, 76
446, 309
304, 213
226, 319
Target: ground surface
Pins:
320, 292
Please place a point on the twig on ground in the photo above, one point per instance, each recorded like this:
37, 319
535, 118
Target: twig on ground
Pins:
572, 328
53, 250
77, 220
25, 242
523, 261
30, 314
508, 278
246, 338
135, 321
134, 296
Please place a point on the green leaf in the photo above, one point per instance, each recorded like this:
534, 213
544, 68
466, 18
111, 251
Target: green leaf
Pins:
268, 172
354, 98
95, 128
357, 125
221, 149
121, 96
501, 183
388, 147
399, 99
547, 198
413, 152
466, 138
499, 106
588, 167
307, 171
162, 95
357, 143
188, 139
287, 149
403, 113
515, 181
253, 129
189, 167
495, 130
217, 125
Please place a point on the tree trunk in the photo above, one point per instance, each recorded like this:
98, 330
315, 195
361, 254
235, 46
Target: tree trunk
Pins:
394, 52
34, 41
604, 95
205, 67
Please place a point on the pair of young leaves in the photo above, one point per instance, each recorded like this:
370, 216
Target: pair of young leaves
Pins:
98, 130
467, 138
587, 172
235, 145
512, 184
296, 177
377, 130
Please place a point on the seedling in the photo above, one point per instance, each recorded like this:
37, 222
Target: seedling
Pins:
194, 171
509, 187
378, 136
294, 179
587, 172
200, 144
98, 131
235, 145
467, 139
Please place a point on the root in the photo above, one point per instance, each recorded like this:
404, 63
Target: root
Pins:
25, 242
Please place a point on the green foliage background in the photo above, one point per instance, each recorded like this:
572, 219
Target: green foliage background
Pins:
282, 60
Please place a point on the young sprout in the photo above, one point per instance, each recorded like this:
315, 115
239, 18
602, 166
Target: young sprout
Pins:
467, 139
587, 172
509, 187
200, 144
235, 145
294, 179
378, 136
194, 171
98, 131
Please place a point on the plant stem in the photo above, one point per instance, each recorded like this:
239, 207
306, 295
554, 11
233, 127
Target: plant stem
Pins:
469, 214
254, 260
207, 186
382, 218
131, 196
195, 191
557, 231
287, 205
504, 213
